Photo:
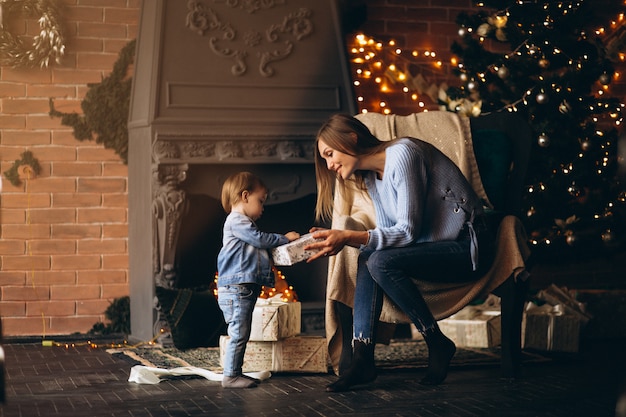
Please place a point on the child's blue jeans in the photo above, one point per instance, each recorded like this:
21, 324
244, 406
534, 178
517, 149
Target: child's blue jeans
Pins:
237, 303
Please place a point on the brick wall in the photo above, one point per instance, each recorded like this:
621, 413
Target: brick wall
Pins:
64, 242
63, 246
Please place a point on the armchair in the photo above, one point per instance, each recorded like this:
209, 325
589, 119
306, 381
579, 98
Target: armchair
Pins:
492, 152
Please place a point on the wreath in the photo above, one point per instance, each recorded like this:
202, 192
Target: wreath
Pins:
48, 46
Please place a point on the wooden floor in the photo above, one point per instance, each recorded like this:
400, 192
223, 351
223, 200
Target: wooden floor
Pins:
84, 382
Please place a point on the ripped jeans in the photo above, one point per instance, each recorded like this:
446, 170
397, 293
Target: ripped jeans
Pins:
392, 271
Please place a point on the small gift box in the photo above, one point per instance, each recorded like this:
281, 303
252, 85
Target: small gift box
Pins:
293, 354
549, 328
474, 326
293, 252
273, 320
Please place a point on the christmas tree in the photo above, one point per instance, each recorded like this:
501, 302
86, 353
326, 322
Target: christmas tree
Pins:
544, 60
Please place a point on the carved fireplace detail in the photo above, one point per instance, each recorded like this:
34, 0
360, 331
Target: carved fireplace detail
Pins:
221, 86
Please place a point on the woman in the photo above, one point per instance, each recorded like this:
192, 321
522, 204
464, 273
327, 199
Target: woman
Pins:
425, 215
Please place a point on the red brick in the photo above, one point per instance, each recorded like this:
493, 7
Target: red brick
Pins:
114, 262
75, 292
12, 90
85, 14
12, 121
36, 122
25, 138
101, 215
114, 230
67, 105
26, 75
86, 45
17, 106
75, 262
32, 231
99, 3
20, 326
26, 262
58, 153
50, 308
49, 216
116, 45
101, 246
69, 325
112, 291
102, 277
54, 277
121, 15
97, 154
53, 185
76, 169
52, 246
12, 308
115, 169
86, 60
74, 76
76, 200
101, 30
47, 90
64, 137
26, 293
12, 278
12, 247
115, 200
91, 307
13, 200
13, 216
65, 231
103, 185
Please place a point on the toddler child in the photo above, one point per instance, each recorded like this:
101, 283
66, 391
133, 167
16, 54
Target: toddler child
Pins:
243, 266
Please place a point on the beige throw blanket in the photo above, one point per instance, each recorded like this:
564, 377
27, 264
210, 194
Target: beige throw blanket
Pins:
451, 134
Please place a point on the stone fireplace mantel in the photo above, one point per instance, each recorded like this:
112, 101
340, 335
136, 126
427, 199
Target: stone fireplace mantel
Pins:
221, 86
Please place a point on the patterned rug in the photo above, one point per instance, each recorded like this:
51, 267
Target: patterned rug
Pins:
399, 354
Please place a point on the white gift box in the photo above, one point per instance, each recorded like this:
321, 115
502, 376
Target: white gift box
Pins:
274, 320
293, 252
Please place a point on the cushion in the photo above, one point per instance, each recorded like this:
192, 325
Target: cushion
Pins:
494, 153
194, 317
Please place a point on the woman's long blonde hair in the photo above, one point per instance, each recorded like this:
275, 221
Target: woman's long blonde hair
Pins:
338, 132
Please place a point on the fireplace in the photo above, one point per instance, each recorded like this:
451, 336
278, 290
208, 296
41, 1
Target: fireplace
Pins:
222, 86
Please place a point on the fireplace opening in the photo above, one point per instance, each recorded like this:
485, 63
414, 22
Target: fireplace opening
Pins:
200, 240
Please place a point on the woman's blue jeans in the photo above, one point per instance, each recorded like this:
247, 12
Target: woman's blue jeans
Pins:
392, 271
237, 303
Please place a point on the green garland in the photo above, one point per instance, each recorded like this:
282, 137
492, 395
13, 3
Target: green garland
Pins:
47, 47
105, 108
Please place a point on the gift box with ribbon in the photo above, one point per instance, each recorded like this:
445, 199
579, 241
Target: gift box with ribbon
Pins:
293, 252
550, 328
307, 354
274, 320
475, 325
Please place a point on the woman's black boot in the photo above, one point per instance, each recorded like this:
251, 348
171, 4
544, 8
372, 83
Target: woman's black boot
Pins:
440, 353
362, 370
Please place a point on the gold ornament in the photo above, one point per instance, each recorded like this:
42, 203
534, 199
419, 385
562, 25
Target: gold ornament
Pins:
47, 47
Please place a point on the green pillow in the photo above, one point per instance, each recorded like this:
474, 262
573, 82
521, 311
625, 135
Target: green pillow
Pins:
494, 154
194, 317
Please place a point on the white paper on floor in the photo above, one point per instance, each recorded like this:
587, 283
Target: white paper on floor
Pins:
141, 374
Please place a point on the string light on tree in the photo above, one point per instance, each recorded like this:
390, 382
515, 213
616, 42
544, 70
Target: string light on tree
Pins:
542, 60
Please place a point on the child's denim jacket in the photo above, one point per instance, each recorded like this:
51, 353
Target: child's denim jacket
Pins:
244, 257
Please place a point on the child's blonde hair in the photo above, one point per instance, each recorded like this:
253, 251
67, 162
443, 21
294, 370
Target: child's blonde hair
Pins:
237, 184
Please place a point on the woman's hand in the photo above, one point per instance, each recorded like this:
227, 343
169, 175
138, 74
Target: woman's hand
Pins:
334, 241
